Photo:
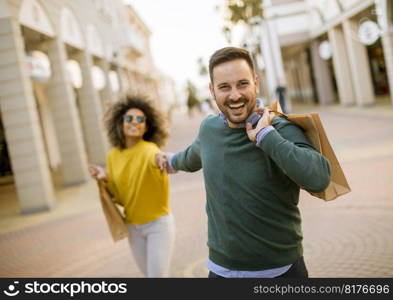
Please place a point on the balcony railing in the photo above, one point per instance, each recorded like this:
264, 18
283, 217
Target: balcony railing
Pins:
134, 41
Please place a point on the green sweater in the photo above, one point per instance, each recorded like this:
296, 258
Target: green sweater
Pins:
252, 193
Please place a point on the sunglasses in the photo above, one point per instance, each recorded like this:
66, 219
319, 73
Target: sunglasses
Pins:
130, 118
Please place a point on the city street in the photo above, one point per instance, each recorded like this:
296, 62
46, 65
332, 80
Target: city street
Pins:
347, 237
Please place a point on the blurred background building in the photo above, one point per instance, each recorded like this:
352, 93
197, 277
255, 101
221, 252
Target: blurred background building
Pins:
61, 63
323, 51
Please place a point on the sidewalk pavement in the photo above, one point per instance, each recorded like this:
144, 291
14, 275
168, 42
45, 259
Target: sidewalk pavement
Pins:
347, 237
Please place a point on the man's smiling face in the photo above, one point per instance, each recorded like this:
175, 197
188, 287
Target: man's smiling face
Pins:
234, 88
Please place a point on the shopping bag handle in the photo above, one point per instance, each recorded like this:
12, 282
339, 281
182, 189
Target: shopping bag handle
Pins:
278, 113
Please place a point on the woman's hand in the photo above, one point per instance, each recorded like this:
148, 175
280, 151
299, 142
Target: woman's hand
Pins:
97, 172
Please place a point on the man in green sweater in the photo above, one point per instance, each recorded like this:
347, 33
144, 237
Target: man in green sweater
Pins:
253, 170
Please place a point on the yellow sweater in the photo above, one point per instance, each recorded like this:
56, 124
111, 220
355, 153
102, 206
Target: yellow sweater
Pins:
138, 183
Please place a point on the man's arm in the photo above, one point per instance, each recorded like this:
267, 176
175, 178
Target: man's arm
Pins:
292, 152
288, 147
188, 160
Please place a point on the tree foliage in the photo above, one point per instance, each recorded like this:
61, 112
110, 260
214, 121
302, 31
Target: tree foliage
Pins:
244, 10
201, 67
240, 11
192, 98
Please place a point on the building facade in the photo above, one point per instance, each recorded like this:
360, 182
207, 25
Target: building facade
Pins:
326, 52
61, 64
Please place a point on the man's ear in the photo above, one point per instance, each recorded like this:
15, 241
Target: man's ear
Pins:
211, 88
257, 83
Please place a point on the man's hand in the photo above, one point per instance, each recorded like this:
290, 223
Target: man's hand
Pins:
97, 172
263, 122
162, 160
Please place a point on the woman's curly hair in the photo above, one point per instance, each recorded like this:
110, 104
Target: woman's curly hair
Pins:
155, 121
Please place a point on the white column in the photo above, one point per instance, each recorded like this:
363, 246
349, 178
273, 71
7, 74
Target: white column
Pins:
387, 43
108, 96
67, 124
124, 85
359, 65
21, 123
268, 59
91, 114
305, 78
272, 57
322, 76
276, 51
342, 70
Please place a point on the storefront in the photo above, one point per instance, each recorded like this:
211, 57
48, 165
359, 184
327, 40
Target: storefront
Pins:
347, 54
62, 62
378, 70
6, 175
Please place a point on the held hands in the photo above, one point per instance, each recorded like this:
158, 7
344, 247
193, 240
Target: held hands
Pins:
263, 122
97, 172
162, 161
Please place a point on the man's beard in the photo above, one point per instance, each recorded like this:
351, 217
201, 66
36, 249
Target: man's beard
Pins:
227, 110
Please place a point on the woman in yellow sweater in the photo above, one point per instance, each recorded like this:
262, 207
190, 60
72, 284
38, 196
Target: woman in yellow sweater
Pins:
136, 130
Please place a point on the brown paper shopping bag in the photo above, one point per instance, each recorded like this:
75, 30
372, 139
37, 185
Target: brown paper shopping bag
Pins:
113, 215
313, 129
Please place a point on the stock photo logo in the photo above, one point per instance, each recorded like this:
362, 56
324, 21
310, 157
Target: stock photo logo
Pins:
12, 291
67, 288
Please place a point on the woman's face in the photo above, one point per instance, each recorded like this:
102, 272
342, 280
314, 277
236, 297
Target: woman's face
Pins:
134, 123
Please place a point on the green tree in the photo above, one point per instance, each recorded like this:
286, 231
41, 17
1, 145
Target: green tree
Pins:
241, 11
192, 98
201, 67
244, 10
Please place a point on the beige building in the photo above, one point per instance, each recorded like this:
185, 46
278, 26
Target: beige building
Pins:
61, 63
329, 51
137, 58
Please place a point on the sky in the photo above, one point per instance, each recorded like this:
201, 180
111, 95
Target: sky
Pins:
182, 31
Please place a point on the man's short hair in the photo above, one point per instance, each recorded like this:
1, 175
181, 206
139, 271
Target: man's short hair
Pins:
228, 54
